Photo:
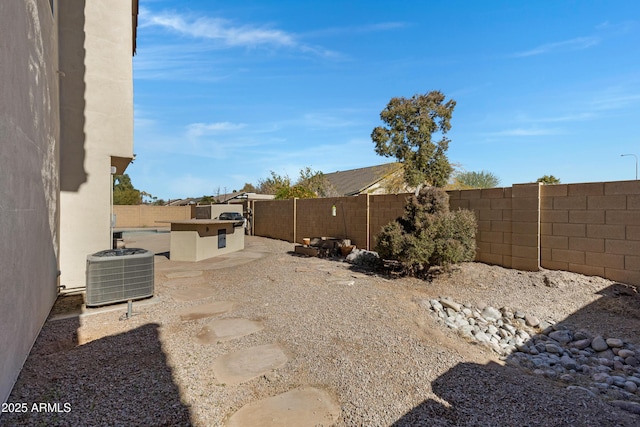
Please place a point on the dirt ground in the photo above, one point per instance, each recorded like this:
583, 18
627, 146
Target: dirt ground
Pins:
364, 337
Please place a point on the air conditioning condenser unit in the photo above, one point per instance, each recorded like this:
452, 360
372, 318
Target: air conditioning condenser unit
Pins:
118, 275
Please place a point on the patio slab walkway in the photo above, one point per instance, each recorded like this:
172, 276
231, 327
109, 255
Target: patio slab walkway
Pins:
228, 329
303, 406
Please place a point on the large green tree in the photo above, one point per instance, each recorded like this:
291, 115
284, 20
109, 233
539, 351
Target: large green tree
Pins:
124, 192
411, 132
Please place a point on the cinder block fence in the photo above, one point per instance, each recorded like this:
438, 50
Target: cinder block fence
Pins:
150, 216
589, 228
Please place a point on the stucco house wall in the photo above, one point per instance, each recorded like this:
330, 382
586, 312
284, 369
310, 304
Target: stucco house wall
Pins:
29, 205
66, 118
96, 112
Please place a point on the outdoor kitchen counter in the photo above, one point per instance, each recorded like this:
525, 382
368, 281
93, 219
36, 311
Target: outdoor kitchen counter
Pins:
198, 239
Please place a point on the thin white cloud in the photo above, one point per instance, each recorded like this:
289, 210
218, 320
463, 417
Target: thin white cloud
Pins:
228, 34
576, 117
339, 118
527, 132
577, 43
357, 29
224, 31
617, 28
614, 102
200, 129
173, 61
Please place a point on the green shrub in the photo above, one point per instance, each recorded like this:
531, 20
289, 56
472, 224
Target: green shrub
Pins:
429, 234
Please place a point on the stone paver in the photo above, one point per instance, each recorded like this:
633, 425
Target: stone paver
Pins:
227, 329
205, 310
246, 364
342, 282
300, 407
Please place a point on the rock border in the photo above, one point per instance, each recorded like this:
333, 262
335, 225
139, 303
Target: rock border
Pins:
605, 367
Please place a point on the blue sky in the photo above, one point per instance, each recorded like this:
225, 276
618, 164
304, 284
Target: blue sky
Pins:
226, 92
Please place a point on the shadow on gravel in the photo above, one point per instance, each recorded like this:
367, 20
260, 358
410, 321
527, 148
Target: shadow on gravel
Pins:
495, 394
121, 379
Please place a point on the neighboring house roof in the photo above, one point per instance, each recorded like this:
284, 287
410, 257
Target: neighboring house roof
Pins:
183, 202
356, 181
240, 196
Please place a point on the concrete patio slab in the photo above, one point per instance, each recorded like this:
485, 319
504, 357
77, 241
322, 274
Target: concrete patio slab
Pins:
192, 293
300, 407
184, 281
205, 310
246, 364
238, 258
228, 329
185, 273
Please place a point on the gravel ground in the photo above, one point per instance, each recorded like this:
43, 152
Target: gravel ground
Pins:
365, 338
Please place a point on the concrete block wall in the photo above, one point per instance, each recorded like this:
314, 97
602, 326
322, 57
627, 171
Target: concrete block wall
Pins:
275, 219
136, 216
592, 229
525, 227
383, 209
588, 228
492, 208
314, 218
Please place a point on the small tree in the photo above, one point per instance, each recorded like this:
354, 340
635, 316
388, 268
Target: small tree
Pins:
548, 179
316, 183
248, 188
273, 184
482, 179
429, 234
408, 136
296, 191
310, 184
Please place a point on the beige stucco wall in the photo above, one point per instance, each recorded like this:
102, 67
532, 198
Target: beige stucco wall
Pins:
29, 155
96, 123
